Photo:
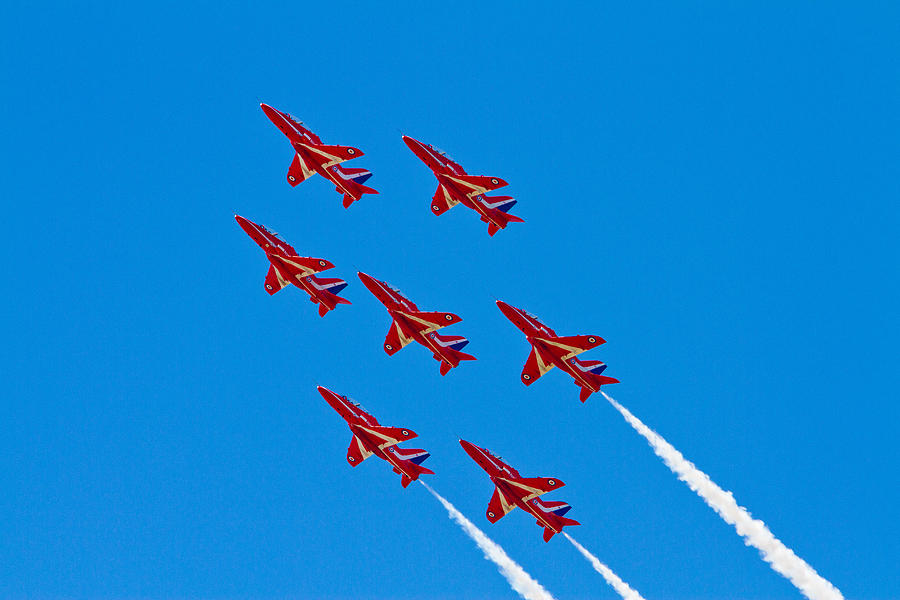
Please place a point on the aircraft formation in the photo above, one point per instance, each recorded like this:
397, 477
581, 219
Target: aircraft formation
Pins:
410, 324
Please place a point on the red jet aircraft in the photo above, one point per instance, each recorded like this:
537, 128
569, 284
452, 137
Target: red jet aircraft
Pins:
286, 267
411, 324
455, 187
549, 350
371, 438
512, 490
312, 156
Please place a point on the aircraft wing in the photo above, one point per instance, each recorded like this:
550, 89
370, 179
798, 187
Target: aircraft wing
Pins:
274, 281
532, 487
328, 156
499, 506
426, 322
442, 201
302, 266
535, 366
573, 345
476, 184
299, 170
357, 453
396, 340
390, 436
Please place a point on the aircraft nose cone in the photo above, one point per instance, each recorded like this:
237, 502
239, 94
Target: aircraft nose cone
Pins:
367, 280
272, 113
470, 448
506, 309
412, 143
246, 224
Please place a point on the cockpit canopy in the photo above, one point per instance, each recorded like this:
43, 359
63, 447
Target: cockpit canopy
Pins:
274, 234
396, 291
354, 403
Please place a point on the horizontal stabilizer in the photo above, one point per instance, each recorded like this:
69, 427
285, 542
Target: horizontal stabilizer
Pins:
595, 381
549, 533
356, 192
414, 469
456, 357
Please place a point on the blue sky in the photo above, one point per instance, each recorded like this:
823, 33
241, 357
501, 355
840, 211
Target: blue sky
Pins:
713, 189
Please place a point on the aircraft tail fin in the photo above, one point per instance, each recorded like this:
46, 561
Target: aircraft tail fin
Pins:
414, 455
356, 174
413, 468
501, 203
593, 366
556, 507
331, 284
456, 342
327, 293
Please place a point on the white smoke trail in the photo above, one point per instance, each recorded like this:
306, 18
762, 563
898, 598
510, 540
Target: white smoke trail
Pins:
622, 588
755, 533
518, 579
